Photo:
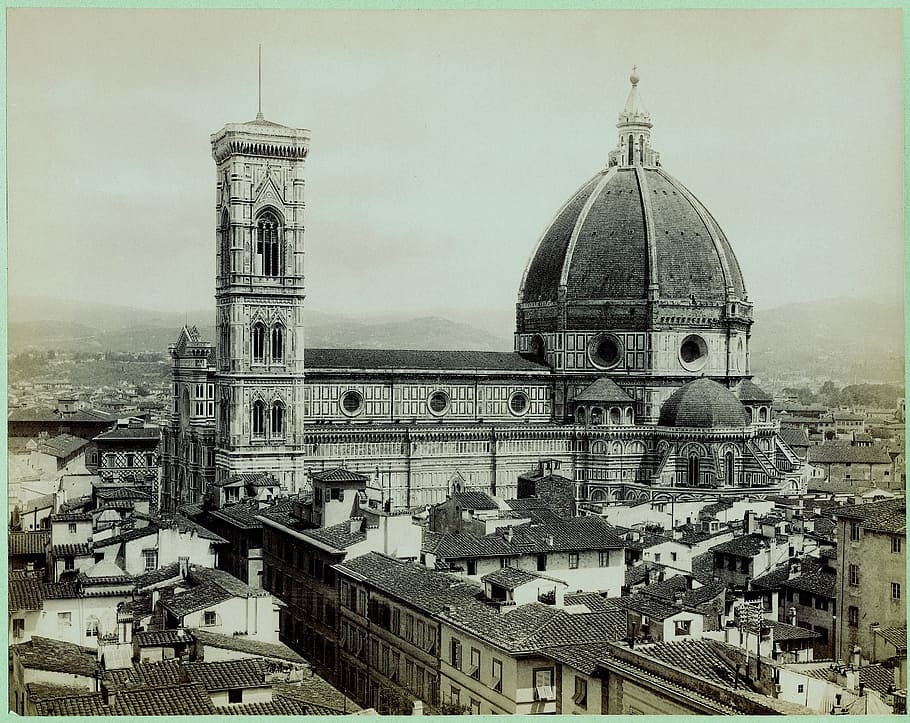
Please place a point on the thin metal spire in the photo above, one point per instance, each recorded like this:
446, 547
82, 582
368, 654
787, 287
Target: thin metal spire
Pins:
259, 114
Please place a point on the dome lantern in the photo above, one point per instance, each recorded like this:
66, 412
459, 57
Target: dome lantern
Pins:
633, 147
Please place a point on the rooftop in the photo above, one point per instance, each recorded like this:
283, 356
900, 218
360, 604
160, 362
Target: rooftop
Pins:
846, 454
57, 656
884, 516
237, 643
28, 543
228, 674
419, 360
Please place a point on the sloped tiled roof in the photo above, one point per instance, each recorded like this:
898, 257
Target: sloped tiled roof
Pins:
28, 543
241, 515
121, 493
655, 608
877, 677
62, 446
595, 602
83, 704
510, 577
743, 546
884, 516
576, 534
153, 577
57, 656
184, 699
197, 598
240, 644
128, 536
845, 454
339, 474
255, 479
603, 389
227, 674
475, 500
785, 631
814, 577
130, 434
337, 536
696, 657
322, 359
155, 638
703, 567
278, 705
145, 675
584, 657
74, 549
896, 636
425, 589
72, 517
794, 436
25, 594
749, 391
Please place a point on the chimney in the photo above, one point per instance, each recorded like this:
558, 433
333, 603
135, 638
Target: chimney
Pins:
184, 565
792, 616
856, 657
796, 569
508, 533
677, 598
550, 540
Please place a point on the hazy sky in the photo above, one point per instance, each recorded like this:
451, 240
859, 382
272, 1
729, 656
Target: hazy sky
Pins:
443, 143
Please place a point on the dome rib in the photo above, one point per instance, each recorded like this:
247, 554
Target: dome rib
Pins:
644, 188
580, 222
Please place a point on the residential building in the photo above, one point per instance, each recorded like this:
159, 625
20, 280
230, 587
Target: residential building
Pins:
872, 567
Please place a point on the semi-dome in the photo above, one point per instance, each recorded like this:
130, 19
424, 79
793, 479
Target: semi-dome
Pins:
702, 404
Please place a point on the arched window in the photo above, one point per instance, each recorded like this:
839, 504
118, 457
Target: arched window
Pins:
641, 149
277, 345
615, 416
268, 245
258, 422
258, 343
630, 419
277, 419
692, 470
224, 229
730, 469
631, 151
224, 417
597, 416
762, 414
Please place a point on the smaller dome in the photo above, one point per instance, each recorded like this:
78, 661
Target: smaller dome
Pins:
702, 403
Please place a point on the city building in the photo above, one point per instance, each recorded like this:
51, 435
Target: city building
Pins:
630, 370
872, 574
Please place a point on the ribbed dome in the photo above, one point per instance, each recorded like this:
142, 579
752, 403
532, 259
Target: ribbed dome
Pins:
702, 403
628, 229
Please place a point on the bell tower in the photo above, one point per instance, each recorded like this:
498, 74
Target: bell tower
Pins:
259, 293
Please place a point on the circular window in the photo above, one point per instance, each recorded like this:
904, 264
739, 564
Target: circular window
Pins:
605, 351
352, 403
519, 403
438, 402
693, 352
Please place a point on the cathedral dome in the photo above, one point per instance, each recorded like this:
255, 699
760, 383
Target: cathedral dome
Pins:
703, 404
630, 242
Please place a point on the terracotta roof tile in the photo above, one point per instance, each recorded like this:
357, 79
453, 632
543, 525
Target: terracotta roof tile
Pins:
510, 577
583, 658
28, 543
57, 656
79, 549
845, 454
469, 361
25, 594
185, 699
257, 648
228, 674
85, 704
885, 516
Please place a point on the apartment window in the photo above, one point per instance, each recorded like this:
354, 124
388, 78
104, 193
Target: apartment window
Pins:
474, 670
573, 560
853, 574
475, 706
345, 595
895, 591
150, 558
496, 674
64, 618
683, 627
455, 695
71, 527
209, 617
455, 653
541, 563
896, 544
853, 616
580, 698
69, 563
362, 602
673, 556
472, 567
854, 531
235, 695
91, 627
656, 557
603, 559
543, 684
503, 562
18, 628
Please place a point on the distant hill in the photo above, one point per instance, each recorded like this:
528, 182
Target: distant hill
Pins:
838, 339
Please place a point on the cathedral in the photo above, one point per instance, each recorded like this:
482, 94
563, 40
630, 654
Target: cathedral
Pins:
630, 369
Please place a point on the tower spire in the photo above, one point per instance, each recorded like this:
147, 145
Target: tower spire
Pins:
634, 145
259, 115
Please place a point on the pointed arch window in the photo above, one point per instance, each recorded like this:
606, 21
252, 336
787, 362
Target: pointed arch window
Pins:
258, 343
277, 344
258, 422
277, 419
730, 469
692, 470
268, 245
631, 155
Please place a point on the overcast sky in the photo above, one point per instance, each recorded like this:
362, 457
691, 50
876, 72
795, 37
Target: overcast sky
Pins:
443, 143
